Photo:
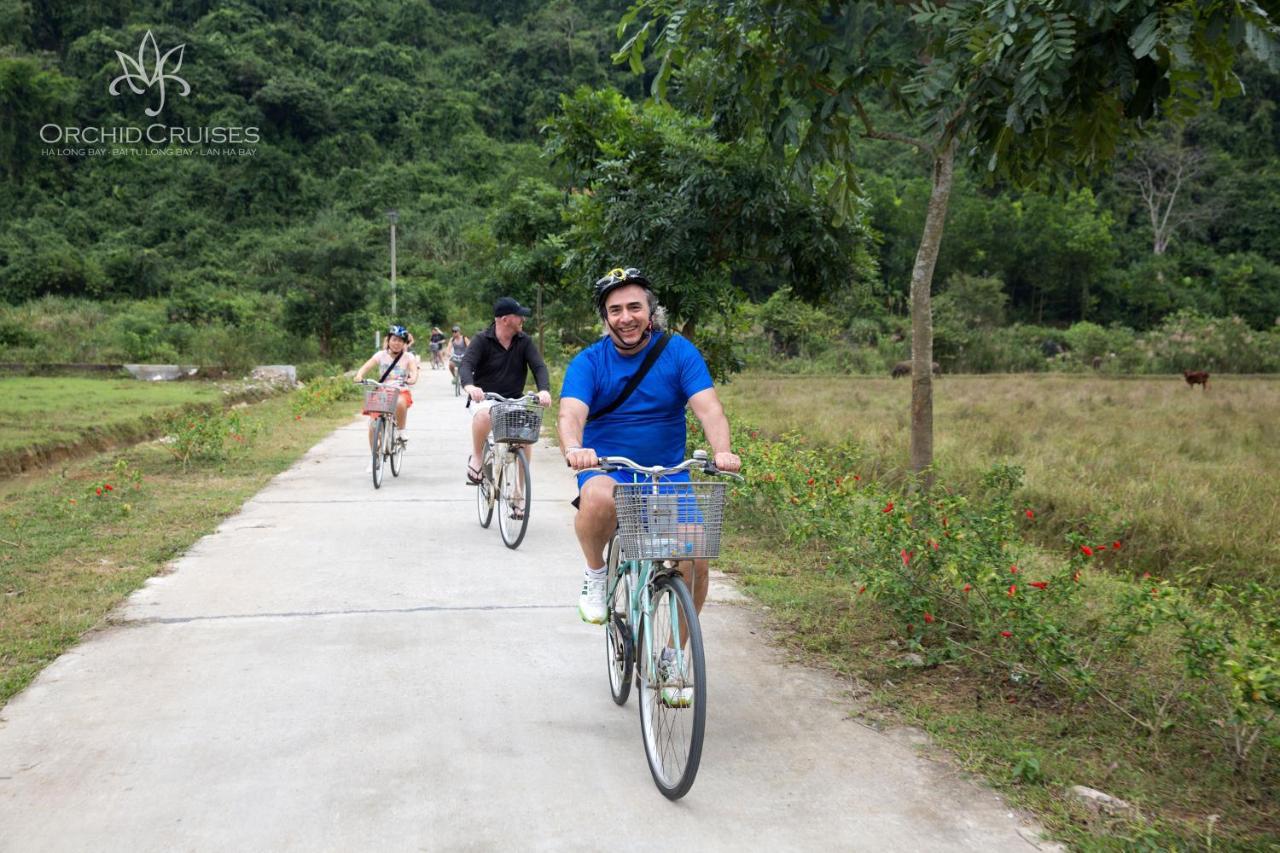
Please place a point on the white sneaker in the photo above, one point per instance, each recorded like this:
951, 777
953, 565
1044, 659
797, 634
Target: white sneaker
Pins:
591, 605
676, 691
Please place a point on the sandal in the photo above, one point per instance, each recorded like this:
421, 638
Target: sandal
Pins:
474, 475
517, 513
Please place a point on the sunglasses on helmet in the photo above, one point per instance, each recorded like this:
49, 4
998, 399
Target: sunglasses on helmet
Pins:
618, 275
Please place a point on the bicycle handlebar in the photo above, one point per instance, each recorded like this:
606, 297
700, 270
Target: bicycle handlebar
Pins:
378, 384
700, 462
498, 398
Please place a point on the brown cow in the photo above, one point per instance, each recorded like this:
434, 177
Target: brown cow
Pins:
903, 368
1196, 377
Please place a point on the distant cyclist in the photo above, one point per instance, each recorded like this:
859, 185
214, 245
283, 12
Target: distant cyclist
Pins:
499, 360
437, 348
394, 364
458, 344
648, 426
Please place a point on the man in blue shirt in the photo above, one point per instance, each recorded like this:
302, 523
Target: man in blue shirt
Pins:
648, 427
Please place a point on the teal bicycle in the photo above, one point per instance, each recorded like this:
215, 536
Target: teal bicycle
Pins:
652, 630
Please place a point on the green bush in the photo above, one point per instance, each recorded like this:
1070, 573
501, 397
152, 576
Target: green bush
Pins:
1191, 341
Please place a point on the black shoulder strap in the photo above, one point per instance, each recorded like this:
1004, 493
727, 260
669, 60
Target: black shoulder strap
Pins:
391, 367
635, 379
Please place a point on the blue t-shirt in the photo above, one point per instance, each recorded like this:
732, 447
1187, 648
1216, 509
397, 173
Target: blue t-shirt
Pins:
649, 427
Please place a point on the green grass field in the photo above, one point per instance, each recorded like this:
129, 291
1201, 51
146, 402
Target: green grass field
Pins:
39, 411
1187, 478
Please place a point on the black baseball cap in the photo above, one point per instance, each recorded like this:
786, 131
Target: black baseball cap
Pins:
506, 305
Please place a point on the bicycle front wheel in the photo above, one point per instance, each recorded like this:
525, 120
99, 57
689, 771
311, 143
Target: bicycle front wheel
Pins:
457, 385
379, 425
514, 488
396, 449
619, 647
673, 687
484, 489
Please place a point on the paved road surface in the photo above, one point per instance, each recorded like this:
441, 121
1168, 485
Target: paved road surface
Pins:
343, 669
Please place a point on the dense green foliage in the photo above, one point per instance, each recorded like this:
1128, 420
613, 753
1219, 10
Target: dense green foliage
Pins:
437, 110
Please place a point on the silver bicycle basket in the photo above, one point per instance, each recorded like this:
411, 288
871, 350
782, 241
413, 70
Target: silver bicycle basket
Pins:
381, 400
517, 423
681, 521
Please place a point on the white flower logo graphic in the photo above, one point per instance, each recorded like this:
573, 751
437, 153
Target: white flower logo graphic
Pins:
135, 71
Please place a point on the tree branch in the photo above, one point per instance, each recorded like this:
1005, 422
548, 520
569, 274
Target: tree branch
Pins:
872, 133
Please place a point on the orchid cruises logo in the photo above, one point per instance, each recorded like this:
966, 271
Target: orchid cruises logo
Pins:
149, 74
135, 74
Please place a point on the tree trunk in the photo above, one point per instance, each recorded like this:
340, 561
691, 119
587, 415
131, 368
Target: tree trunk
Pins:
922, 316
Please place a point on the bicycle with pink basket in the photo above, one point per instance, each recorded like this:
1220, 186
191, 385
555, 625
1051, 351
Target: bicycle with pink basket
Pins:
388, 447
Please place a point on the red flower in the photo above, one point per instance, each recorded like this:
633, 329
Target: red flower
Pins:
839, 480
928, 618
297, 417
1099, 547
944, 521
1013, 569
934, 544
1086, 550
1030, 514
1013, 588
99, 491
1040, 584
862, 589
1146, 575
1006, 634
810, 481
967, 587
71, 500
906, 556
857, 479
888, 507
1115, 546
107, 486
754, 434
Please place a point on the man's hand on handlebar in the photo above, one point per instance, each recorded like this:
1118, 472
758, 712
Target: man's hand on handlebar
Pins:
476, 394
581, 458
728, 462
544, 398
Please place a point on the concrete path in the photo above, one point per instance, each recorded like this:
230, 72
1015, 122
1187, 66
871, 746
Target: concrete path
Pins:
345, 669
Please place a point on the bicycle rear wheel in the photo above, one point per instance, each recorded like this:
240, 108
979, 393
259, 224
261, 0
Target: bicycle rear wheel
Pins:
619, 647
514, 489
484, 489
673, 693
396, 449
379, 425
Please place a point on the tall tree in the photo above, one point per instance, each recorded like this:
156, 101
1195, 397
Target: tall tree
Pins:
1032, 91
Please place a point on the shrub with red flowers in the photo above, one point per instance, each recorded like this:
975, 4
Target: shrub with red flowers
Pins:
208, 436
955, 573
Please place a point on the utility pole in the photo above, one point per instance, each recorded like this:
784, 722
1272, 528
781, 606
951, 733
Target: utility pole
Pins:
394, 216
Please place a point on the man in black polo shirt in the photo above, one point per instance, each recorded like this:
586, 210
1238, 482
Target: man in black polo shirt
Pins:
498, 361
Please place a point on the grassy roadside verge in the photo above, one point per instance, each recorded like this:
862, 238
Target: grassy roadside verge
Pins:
71, 549
1042, 664
96, 414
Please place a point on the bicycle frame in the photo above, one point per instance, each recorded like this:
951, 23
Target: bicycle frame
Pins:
642, 575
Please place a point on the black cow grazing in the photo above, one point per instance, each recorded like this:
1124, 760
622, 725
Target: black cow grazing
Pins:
903, 368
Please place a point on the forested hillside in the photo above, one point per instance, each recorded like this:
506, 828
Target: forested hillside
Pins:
520, 159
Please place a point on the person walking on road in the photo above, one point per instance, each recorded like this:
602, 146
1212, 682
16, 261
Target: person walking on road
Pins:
648, 425
498, 361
